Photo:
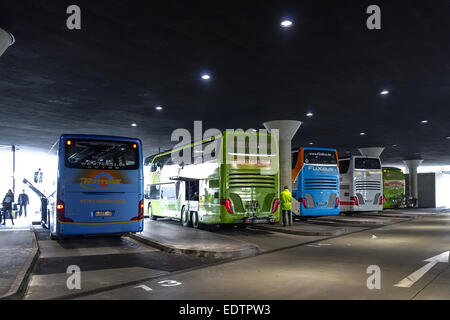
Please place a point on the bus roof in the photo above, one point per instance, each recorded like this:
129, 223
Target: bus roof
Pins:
358, 156
98, 137
320, 149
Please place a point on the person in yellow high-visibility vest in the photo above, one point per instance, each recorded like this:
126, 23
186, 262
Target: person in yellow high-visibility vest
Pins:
286, 198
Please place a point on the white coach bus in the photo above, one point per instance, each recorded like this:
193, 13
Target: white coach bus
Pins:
361, 184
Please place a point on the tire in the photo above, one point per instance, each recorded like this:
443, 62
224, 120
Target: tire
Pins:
194, 219
185, 219
150, 212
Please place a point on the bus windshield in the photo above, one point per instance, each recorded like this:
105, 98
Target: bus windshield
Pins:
367, 163
98, 154
319, 157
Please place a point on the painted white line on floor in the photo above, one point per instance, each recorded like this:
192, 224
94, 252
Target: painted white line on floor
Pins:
14, 229
415, 276
143, 286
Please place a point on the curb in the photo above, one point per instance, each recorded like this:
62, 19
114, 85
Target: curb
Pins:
395, 215
20, 283
199, 253
336, 232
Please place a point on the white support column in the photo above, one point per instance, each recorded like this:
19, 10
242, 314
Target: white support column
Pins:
413, 188
372, 151
6, 40
287, 130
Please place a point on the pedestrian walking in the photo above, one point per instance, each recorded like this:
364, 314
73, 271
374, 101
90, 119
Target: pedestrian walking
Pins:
7, 206
23, 203
286, 198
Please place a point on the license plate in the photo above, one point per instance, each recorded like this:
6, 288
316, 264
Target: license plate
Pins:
103, 213
321, 203
256, 221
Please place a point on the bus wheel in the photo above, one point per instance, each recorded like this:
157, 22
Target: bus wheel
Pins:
194, 219
185, 221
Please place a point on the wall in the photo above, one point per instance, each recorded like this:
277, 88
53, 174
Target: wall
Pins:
427, 190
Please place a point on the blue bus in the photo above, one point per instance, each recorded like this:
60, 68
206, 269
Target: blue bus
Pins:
315, 177
99, 187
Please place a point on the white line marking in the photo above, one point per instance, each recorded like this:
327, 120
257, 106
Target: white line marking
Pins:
143, 286
415, 276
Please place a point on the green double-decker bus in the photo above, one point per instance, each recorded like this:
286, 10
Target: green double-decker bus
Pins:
393, 188
231, 178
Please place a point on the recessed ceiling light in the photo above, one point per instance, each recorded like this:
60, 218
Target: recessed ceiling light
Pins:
384, 92
309, 114
206, 76
424, 121
286, 23
362, 133
311, 143
394, 145
448, 138
134, 124
158, 107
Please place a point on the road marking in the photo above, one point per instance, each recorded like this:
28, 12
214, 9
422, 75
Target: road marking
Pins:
415, 276
169, 283
143, 286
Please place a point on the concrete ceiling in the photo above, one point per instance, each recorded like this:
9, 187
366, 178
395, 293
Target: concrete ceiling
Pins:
131, 56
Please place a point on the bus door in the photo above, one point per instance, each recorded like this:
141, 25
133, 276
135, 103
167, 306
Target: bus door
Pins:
192, 194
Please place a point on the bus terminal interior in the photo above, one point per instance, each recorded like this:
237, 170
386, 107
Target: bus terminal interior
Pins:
146, 149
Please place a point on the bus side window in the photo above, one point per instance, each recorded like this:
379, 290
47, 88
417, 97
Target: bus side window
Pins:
294, 157
343, 166
168, 191
154, 192
147, 192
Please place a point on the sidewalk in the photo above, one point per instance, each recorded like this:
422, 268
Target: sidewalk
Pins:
18, 251
174, 238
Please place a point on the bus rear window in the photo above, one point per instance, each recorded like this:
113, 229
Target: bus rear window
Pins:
319, 157
367, 163
98, 154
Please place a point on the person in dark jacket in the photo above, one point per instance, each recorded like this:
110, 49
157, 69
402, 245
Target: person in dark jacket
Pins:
23, 202
7, 206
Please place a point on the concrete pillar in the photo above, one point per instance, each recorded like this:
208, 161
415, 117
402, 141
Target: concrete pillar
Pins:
6, 40
372, 151
413, 188
286, 131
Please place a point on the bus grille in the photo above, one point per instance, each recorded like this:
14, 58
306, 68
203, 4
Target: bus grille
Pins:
368, 185
251, 180
320, 184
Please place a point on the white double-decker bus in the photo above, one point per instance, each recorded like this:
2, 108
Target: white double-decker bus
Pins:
361, 184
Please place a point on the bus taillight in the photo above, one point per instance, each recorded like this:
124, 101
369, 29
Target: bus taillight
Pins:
228, 205
61, 211
336, 203
275, 205
303, 201
355, 201
141, 211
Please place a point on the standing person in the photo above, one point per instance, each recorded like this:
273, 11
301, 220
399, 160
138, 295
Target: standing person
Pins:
36, 176
7, 206
23, 202
286, 198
